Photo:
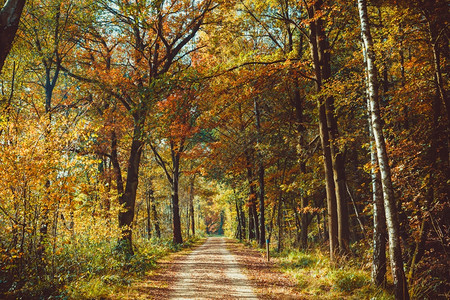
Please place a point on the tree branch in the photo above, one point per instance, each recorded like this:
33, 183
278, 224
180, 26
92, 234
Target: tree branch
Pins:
265, 63
161, 162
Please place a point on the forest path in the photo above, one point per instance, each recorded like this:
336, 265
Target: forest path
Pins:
211, 271
218, 268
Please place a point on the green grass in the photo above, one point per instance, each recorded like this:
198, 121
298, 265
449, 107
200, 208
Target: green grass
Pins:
117, 273
318, 278
94, 269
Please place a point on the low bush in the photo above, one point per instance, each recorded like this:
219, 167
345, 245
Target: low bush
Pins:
87, 267
349, 280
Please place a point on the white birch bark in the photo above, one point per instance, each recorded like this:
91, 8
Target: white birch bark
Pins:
395, 251
379, 220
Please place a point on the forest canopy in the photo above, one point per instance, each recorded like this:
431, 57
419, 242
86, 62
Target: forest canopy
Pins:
128, 125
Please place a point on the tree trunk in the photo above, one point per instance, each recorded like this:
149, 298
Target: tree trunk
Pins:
303, 223
221, 223
188, 227
238, 219
255, 219
341, 200
251, 225
242, 215
395, 251
297, 223
279, 224
439, 47
148, 210
337, 159
9, 23
262, 222
127, 201
325, 141
379, 218
177, 238
152, 215
155, 219
252, 212
329, 181
116, 165
441, 8
379, 221
191, 205
298, 104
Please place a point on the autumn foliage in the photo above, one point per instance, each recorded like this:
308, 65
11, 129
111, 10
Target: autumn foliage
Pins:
128, 127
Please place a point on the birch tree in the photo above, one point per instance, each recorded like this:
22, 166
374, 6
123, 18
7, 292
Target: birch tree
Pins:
395, 251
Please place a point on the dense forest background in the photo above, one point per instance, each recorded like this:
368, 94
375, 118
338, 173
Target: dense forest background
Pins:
131, 125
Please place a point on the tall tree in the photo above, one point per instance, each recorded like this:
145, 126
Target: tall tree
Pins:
321, 65
191, 220
379, 219
337, 158
179, 116
395, 251
155, 46
261, 171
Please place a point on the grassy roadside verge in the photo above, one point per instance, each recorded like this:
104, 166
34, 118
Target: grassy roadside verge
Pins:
316, 277
138, 277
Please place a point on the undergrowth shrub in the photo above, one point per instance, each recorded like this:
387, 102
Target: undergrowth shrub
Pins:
120, 271
298, 259
89, 267
349, 280
319, 278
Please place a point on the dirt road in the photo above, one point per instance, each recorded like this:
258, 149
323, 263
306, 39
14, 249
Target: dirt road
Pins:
211, 272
